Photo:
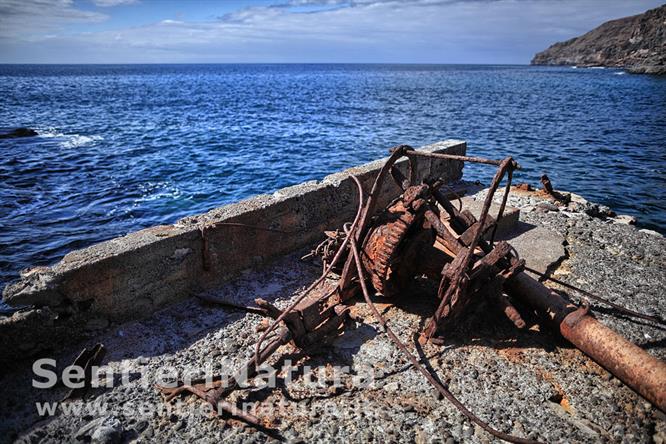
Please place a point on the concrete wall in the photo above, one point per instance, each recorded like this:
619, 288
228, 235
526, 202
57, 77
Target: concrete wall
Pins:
138, 273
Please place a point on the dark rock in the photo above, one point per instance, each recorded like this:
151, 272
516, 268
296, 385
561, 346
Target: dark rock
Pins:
547, 206
109, 432
101, 430
19, 132
635, 43
599, 211
22, 332
88, 429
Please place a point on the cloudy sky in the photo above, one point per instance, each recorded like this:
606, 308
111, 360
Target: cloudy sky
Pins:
230, 31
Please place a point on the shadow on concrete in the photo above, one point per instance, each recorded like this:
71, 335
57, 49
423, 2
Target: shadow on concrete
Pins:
517, 229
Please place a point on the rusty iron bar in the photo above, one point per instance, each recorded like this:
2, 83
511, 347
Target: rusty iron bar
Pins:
629, 363
86, 360
414, 153
547, 185
212, 300
334, 261
505, 198
458, 280
550, 192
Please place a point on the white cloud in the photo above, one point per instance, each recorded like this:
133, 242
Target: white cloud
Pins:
32, 18
109, 3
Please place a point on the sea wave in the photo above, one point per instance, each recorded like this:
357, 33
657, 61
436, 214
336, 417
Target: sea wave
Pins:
69, 140
151, 191
77, 140
49, 132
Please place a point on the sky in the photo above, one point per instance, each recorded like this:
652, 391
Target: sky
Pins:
296, 31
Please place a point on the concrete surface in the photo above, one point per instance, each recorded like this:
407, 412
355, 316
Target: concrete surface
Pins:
505, 224
529, 383
542, 249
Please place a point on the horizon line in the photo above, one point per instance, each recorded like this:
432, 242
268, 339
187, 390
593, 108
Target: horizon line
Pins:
274, 63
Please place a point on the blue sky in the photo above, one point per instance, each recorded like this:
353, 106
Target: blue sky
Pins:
273, 31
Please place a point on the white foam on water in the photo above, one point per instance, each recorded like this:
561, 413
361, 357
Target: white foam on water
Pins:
49, 132
70, 140
158, 190
77, 140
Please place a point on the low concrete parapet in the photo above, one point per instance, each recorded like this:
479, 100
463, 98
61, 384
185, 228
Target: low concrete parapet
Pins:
134, 275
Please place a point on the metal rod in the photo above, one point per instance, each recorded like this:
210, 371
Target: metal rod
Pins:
348, 270
458, 157
629, 363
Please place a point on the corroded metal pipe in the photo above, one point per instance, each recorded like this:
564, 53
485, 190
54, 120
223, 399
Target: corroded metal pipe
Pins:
629, 363
454, 157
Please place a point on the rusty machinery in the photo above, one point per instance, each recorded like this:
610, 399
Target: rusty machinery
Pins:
422, 234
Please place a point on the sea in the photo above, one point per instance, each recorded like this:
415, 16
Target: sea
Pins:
123, 147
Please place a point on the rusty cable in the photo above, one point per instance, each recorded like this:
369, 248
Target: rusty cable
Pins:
334, 261
620, 308
509, 177
436, 384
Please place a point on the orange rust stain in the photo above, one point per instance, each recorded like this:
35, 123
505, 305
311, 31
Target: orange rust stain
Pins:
575, 358
512, 354
566, 406
560, 395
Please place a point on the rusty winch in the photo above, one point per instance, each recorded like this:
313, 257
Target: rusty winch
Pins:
422, 235
411, 238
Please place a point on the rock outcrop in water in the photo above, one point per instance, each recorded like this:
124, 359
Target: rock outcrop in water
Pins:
637, 43
18, 132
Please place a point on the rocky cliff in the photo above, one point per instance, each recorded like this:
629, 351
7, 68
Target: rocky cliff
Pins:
637, 43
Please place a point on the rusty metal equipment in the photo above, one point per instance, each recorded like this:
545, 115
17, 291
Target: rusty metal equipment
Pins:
421, 234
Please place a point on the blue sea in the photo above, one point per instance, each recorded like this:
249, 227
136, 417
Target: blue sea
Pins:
123, 147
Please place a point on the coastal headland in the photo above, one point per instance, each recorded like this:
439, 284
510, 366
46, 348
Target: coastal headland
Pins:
636, 43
